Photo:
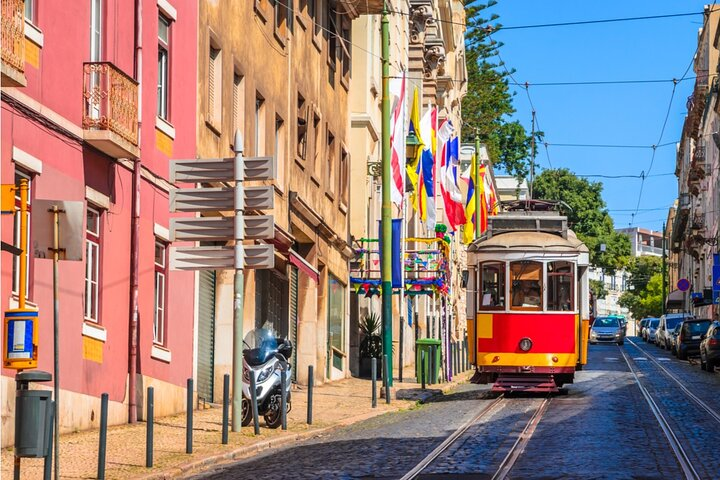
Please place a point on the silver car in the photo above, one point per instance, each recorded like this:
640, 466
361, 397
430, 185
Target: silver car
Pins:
666, 326
651, 329
607, 330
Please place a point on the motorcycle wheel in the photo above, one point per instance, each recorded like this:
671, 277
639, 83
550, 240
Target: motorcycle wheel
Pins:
272, 417
246, 412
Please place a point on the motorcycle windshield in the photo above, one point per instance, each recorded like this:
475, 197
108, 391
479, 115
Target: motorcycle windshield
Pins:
260, 345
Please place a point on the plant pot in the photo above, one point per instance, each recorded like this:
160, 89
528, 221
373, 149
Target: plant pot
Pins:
366, 368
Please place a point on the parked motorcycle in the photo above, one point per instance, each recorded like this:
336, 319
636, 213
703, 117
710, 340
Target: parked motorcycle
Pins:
266, 354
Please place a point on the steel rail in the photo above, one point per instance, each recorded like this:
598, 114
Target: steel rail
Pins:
715, 415
519, 446
450, 440
683, 460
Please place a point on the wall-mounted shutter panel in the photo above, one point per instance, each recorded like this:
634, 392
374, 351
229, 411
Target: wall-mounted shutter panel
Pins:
206, 335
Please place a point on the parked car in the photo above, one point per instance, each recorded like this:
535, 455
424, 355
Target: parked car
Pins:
674, 336
690, 335
667, 324
643, 325
607, 330
622, 320
710, 348
649, 332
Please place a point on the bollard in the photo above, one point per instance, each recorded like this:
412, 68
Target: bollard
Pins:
311, 382
385, 379
253, 402
103, 436
226, 408
47, 468
283, 396
465, 354
431, 373
373, 368
189, 417
422, 369
149, 427
456, 358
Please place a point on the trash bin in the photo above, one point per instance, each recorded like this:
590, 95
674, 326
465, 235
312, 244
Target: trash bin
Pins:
32, 415
431, 347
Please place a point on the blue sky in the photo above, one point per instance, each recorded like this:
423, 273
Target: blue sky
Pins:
605, 114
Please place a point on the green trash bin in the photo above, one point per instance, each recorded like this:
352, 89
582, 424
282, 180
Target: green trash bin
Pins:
431, 347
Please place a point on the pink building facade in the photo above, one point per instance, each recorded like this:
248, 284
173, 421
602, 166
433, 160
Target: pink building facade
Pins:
97, 96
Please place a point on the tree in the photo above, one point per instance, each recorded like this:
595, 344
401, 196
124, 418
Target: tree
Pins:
488, 103
598, 289
587, 216
647, 302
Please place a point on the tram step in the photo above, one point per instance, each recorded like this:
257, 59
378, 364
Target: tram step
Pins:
525, 383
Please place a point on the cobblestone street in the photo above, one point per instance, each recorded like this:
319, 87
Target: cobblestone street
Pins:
602, 428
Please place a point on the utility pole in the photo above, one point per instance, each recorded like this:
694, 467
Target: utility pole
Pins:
532, 157
386, 266
476, 166
238, 287
664, 271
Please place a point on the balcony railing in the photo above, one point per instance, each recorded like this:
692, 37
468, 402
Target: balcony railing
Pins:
13, 34
111, 100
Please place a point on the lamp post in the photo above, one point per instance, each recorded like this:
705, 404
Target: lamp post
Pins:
476, 160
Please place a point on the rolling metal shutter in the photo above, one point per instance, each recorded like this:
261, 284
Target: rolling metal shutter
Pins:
294, 317
206, 335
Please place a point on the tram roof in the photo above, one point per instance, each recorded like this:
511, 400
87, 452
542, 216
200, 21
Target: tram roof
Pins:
529, 241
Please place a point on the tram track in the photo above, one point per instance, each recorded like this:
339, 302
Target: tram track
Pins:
675, 443
512, 455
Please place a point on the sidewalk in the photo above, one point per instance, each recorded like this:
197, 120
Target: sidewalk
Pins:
336, 404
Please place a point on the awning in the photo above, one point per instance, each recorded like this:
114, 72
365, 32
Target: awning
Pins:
676, 300
303, 265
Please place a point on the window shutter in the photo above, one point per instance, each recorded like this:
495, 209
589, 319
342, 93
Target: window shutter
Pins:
211, 85
236, 104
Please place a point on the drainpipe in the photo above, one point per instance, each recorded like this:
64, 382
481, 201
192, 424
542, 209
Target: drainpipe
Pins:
135, 231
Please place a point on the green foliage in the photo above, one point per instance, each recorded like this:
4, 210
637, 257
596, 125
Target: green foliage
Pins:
642, 269
371, 344
587, 216
647, 302
489, 101
598, 289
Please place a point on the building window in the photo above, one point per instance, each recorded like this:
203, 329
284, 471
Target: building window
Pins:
317, 143
331, 33
302, 126
336, 321
95, 30
330, 167
492, 286
215, 87
159, 321
345, 47
238, 105
344, 176
92, 264
282, 15
526, 286
163, 66
259, 125
280, 142
16, 235
560, 286
30, 11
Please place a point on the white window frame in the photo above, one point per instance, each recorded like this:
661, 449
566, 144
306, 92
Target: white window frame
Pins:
91, 310
163, 87
160, 308
96, 30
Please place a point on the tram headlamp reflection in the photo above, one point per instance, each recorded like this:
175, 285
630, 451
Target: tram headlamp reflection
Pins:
525, 344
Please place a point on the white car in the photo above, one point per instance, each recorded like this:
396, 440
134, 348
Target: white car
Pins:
650, 330
667, 324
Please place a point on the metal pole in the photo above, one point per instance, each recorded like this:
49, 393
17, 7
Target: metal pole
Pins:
532, 157
103, 436
226, 409
189, 417
253, 402
422, 369
373, 368
22, 283
56, 334
664, 273
311, 384
47, 467
386, 266
283, 396
476, 170
238, 287
149, 427
402, 341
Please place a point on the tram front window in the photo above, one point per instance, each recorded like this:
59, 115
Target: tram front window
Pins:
526, 285
492, 292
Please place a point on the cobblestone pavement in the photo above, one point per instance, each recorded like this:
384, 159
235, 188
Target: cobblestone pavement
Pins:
602, 429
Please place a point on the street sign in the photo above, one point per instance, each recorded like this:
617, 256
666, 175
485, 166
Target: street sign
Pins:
221, 169
8, 198
716, 278
221, 229
21, 339
221, 258
220, 199
71, 229
683, 284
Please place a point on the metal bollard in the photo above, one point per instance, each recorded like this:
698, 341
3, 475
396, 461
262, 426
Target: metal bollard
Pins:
311, 384
189, 417
47, 467
465, 354
103, 436
283, 397
226, 408
431, 374
149, 427
373, 368
253, 402
385, 379
422, 369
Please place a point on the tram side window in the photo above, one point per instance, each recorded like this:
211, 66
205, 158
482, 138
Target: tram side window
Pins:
492, 294
526, 287
560, 286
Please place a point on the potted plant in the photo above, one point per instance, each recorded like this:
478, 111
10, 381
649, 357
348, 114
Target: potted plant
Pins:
370, 345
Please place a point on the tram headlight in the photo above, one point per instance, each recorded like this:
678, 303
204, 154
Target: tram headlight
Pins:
525, 344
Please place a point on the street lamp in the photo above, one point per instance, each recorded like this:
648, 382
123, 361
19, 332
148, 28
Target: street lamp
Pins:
412, 143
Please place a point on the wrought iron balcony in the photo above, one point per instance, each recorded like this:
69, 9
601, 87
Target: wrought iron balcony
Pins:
110, 110
13, 43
